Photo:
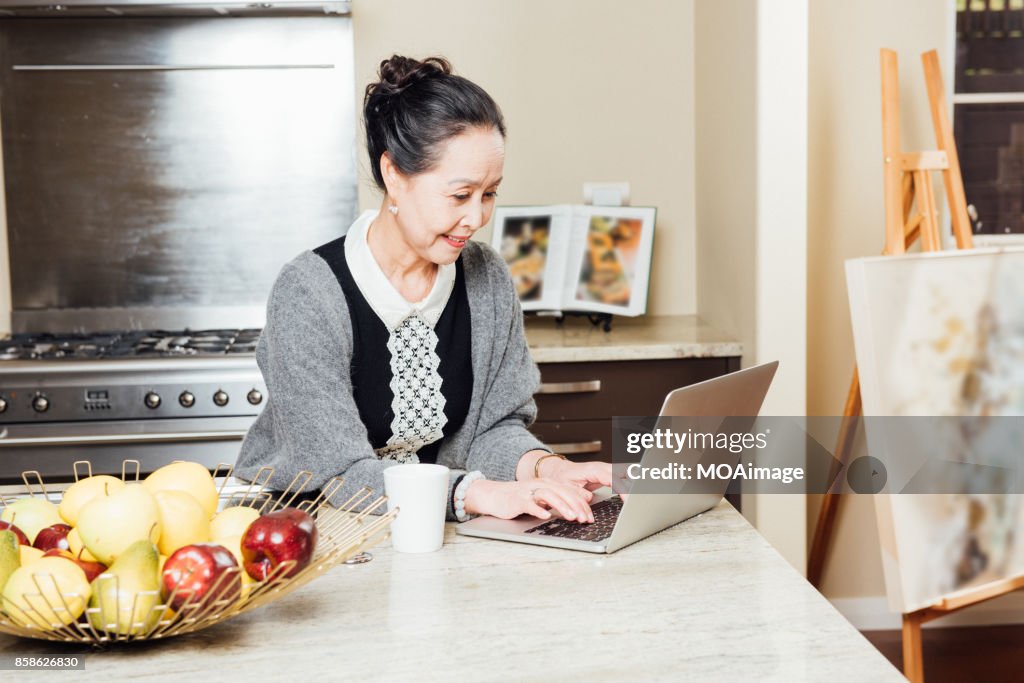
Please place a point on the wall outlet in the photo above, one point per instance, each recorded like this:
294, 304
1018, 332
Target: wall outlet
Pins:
606, 194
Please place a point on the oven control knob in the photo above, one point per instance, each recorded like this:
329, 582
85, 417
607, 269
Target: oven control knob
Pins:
3, 405
187, 399
40, 404
152, 400
220, 398
254, 396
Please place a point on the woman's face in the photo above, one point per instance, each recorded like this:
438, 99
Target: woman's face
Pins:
440, 209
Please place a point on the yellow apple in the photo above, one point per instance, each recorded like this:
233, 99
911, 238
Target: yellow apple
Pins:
233, 521
190, 477
84, 490
78, 548
46, 594
234, 544
109, 524
32, 514
183, 521
29, 554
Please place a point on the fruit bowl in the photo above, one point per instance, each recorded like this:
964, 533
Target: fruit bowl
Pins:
344, 528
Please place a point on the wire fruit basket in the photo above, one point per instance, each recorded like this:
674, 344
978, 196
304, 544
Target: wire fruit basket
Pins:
345, 528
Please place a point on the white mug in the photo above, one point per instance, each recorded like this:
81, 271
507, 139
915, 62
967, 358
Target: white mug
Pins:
420, 492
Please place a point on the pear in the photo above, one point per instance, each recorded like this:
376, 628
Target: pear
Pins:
46, 594
84, 490
190, 477
126, 594
10, 556
33, 513
109, 524
183, 521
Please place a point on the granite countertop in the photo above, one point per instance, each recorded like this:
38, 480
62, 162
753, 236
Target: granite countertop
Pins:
708, 599
646, 337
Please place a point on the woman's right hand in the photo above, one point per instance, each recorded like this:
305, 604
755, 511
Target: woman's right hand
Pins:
537, 497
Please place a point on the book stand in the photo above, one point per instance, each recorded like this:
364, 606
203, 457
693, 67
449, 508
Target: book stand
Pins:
602, 320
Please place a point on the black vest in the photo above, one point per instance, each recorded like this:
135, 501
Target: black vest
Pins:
371, 360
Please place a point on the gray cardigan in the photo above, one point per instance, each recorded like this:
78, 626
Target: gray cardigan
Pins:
310, 421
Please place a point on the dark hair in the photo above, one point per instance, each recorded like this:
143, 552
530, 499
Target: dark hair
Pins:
415, 107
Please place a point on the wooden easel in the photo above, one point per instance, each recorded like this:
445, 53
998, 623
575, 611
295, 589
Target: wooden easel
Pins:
908, 185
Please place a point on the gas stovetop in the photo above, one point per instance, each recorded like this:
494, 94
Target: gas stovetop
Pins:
151, 375
132, 344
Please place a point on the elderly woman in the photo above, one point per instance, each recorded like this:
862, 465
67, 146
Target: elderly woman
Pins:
402, 341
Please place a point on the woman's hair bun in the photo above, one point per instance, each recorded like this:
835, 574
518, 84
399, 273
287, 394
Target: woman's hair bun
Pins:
414, 107
398, 73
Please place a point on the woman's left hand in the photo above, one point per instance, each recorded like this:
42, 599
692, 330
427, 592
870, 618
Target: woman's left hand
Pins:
590, 475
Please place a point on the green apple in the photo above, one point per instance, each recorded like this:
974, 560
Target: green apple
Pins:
10, 556
47, 594
183, 521
190, 477
125, 597
109, 524
84, 490
33, 513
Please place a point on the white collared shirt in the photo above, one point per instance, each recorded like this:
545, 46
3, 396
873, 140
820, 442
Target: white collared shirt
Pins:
417, 401
389, 305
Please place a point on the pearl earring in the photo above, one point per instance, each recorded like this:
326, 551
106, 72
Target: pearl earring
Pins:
393, 209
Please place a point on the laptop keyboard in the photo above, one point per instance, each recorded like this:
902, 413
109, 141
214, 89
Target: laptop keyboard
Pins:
605, 514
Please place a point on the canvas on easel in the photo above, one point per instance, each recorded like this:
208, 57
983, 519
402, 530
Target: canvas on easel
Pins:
979, 567
951, 344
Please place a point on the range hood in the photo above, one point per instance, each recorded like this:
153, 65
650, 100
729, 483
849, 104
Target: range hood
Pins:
132, 8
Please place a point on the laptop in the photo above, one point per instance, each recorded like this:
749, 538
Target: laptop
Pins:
620, 522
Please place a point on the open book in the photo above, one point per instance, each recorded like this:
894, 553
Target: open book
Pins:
578, 258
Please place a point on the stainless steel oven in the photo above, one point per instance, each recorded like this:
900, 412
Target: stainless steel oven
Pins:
161, 163
66, 405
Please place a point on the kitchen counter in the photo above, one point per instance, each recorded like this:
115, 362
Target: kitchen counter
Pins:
643, 338
708, 599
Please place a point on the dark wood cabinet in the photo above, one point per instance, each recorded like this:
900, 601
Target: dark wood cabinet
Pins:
577, 401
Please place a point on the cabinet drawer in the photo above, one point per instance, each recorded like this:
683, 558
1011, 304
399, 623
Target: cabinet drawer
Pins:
577, 440
590, 391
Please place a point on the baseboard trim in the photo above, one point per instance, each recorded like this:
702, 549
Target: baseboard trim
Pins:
873, 613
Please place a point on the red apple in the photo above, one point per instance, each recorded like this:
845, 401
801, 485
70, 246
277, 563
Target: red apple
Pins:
288, 534
91, 569
197, 571
53, 536
22, 538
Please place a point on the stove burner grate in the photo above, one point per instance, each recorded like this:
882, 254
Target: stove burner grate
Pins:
129, 344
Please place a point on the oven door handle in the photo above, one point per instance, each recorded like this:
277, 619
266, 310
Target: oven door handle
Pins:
116, 439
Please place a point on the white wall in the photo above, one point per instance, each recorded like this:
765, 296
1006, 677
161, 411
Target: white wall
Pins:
591, 90
751, 99
726, 177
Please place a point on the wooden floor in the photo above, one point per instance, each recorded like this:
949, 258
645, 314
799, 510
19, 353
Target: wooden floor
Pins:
990, 654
